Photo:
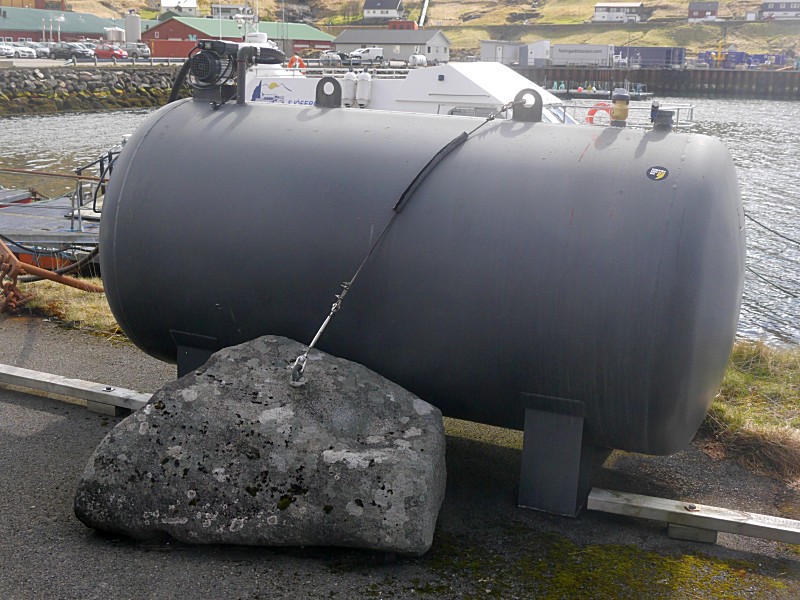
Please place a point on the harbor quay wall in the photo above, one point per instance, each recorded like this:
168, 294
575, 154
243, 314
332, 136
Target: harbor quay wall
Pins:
57, 89
704, 83
50, 90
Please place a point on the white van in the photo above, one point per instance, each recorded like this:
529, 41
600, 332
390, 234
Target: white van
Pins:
371, 54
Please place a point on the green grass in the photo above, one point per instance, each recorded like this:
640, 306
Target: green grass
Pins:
756, 416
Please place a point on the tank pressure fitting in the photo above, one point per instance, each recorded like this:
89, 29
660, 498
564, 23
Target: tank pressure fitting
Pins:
620, 100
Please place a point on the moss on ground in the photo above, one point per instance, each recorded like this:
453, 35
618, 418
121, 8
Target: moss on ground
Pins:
546, 565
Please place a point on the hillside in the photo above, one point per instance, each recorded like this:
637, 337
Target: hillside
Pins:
467, 22
440, 12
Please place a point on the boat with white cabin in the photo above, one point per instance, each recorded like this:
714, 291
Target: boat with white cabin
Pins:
467, 89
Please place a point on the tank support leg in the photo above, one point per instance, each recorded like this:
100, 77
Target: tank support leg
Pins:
193, 350
556, 464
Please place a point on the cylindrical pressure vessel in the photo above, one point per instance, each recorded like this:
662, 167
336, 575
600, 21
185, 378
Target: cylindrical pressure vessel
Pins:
598, 265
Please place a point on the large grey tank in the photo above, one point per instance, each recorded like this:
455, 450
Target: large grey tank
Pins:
602, 266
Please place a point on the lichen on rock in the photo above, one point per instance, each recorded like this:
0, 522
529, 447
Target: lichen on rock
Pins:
231, 453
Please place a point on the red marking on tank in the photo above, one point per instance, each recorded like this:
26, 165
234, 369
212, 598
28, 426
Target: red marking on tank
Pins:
580, 158
571, 214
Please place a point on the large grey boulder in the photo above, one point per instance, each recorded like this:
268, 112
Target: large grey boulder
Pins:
231, 453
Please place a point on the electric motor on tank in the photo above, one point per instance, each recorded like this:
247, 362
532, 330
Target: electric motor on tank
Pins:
349, 89
363, 89
662, 119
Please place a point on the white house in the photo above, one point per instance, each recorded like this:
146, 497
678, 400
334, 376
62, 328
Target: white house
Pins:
228, 11
624, 12
780, 10
383, 9
397, 44
183, 8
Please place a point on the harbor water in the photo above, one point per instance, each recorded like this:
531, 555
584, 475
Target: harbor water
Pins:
763, 138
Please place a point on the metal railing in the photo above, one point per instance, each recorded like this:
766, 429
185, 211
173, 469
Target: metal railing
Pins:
639, 113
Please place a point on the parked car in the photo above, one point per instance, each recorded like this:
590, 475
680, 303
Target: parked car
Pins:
42, 50
6, 51
69, 50
371, 54
21, 50
136, 49
332, 58
110, 51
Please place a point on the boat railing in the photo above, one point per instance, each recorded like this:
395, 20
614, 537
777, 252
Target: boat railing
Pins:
639, 113
338, 72
90, 189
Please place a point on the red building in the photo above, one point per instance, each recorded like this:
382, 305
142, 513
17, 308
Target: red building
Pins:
400, 24
39, 4
178, 35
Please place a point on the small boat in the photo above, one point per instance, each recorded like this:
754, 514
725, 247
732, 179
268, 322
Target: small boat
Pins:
14, 196
48, 237
477, 89
638, 91
49, 233
597, 90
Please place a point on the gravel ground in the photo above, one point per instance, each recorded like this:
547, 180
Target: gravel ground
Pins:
484, 547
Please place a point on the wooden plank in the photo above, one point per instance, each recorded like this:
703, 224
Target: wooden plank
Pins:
698, 516
692, 534
75, 388
106, 409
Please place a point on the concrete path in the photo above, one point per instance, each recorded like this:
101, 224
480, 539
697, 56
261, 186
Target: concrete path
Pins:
484, 547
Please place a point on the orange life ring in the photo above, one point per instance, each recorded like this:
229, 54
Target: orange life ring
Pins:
298, 62
600, 106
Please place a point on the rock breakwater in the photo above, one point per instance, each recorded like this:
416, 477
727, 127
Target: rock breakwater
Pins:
49, 90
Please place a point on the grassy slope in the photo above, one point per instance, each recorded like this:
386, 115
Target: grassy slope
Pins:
755, 38
467, 22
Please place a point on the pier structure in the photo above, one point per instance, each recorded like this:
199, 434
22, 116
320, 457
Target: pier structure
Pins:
706, 83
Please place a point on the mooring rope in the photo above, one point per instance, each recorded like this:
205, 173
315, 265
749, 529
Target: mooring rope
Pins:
299, 365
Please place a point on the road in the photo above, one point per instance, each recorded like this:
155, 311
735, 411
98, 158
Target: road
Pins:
484, 547
47, 63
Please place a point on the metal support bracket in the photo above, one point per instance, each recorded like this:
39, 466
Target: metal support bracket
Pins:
556, 463
528, 113
193, 350
328, 93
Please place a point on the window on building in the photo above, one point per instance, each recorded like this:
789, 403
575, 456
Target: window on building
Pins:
192, 37
155, 34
